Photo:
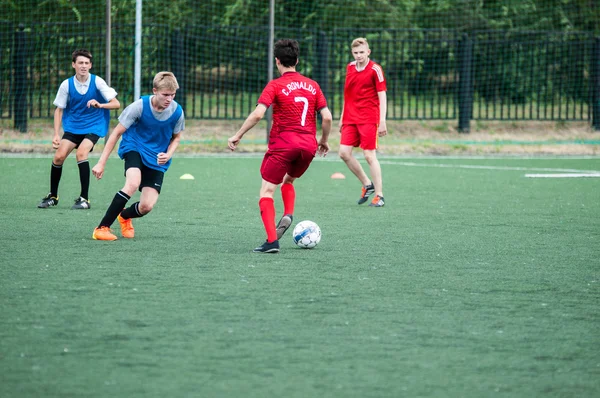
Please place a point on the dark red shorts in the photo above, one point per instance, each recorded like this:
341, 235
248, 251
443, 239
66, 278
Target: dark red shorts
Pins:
360, 135
276, 164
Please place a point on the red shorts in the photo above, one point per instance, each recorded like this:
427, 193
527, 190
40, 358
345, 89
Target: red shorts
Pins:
360, 135
276, 164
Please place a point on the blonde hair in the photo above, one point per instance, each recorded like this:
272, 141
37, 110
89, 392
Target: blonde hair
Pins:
165, 81
359, 42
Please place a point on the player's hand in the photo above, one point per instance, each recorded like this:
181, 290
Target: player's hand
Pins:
162, 158
55, 142
382, 130
93, 103
323, 149
233, 142
98, 171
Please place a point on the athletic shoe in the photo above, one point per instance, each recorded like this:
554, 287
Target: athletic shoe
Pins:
103, 233
81, 203
367, 191
377, 201
284, 224
48, 201
126, 227
267, 247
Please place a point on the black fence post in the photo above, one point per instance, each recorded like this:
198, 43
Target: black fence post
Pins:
178, 65
596, 85
20, 80
465, 84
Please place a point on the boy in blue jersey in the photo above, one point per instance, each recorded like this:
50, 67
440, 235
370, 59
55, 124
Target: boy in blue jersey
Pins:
83, 105
151, 128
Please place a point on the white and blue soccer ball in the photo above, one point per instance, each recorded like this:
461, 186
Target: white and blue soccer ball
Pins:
306, 234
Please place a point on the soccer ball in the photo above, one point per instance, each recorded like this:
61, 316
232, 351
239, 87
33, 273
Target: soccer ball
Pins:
307, 234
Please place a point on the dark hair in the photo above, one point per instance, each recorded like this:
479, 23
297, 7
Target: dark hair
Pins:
286, 51
82, 52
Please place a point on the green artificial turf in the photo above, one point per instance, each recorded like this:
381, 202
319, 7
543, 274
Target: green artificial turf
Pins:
472, 281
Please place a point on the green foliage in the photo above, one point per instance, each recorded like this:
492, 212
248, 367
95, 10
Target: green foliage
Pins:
564, 15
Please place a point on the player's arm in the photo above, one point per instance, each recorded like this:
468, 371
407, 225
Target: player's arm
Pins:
253, 118
58, 114
110, 105
164, 157
382, 129
341, 116
61, 101
107, 92
326, 122
98, 169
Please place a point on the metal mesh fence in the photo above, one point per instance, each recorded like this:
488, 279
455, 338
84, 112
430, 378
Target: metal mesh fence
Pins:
432, 73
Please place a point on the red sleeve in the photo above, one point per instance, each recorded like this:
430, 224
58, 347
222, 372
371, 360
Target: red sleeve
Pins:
321, 100
380, 84
268, 95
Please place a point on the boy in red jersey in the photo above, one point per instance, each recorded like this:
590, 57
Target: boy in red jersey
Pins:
363, 119
292, 140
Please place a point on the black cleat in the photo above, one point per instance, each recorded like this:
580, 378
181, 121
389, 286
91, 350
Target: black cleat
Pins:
81, 203
48, 201
377, 201
267, 247
284, 224
367, 191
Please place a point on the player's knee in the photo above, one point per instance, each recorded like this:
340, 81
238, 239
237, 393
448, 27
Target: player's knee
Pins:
145, 208
81, 155
370, 157
131, 187
344, 155
58, 160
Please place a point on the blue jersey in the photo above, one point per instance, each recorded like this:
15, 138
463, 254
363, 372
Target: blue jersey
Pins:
149, 136
78, 118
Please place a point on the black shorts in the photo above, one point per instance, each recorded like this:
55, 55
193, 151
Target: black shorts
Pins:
78, 138
150, 177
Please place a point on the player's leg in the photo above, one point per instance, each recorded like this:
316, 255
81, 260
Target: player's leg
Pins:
353, 164
62, 152
288, 195
300, 160
133, 179
267, 215
83, 164
350, 138
273, 169
375, 168
150, 186
369, 144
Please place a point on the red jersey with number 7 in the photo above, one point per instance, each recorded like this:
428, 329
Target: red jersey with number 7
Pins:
296, 100
361, 102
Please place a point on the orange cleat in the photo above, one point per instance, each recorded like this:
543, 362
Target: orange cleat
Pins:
126, 227
103, 233
377, 201
366, 191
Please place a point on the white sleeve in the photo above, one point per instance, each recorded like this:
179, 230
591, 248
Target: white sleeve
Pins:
62, 97
180, 124
107, 92
131, 114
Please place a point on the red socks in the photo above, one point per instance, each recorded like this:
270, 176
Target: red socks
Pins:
288, 194
267, 213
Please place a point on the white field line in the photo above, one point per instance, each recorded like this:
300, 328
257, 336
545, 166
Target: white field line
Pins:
563, 175
484, 167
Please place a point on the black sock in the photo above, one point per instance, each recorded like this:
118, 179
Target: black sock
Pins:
55, 174
132, 211
116, 206
84, 178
